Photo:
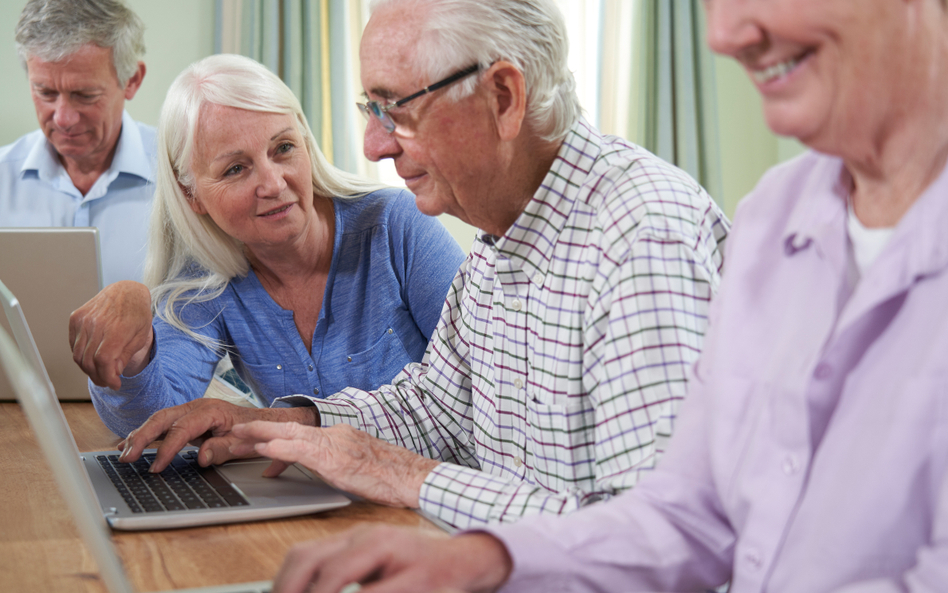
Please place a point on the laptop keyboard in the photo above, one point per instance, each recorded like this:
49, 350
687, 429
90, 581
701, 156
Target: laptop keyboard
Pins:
183, 485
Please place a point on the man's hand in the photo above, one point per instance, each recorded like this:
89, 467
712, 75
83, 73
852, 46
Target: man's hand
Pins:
111, 335
395, 560
204, 422
345, 457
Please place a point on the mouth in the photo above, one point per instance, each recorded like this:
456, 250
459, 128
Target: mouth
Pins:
778, 70
276, 211
411, 180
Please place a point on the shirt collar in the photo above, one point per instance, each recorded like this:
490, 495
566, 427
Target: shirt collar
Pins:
530, 241
130, 155
916, 248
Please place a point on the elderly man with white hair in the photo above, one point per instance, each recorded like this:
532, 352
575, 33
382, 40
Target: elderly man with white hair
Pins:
561, 357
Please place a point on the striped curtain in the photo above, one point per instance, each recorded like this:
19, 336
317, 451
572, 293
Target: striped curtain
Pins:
658, 84
313, 46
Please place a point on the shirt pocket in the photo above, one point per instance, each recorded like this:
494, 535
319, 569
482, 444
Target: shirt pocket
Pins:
561, 445
376, 365
266, 380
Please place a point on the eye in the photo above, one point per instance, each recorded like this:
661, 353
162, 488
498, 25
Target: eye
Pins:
85, 97
285, 147
235, 170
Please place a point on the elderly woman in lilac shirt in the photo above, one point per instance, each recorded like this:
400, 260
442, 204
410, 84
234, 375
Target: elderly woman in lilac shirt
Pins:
812, 452
311, 279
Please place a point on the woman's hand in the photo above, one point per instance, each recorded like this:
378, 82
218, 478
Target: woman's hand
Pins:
393, 560
205, 422
111, 335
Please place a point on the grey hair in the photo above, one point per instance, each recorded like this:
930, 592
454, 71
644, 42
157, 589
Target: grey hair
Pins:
531, 34
189, 257
54, 29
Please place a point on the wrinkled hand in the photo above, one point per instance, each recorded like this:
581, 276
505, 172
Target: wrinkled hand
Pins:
392, 559
345, 457
111, 335
204, 422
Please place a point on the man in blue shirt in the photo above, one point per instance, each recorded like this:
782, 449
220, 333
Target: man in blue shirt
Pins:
89, 164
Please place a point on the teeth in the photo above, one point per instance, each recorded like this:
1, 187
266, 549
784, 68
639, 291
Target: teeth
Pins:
278, 210
775, 71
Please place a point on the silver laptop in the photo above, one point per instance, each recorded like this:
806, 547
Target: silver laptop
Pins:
54, 271
49, 424
184, 495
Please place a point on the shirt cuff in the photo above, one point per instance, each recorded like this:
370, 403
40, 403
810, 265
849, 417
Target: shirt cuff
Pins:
330, 412
460, 496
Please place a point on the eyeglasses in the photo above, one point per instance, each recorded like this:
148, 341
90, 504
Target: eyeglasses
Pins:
379, 111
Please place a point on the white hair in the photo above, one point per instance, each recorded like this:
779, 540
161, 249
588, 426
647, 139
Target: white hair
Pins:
54, 29
189, 257
530, 34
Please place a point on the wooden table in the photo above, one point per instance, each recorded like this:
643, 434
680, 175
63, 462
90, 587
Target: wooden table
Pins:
41, 551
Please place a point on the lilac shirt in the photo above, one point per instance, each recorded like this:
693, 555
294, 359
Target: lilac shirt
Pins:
811, 451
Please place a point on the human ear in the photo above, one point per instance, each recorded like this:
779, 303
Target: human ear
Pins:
135, 82
508, 98
193, 202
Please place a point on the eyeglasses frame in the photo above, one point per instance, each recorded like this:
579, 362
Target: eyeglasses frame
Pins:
370, 108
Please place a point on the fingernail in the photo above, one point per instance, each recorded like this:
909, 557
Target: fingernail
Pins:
208, 456
125, 450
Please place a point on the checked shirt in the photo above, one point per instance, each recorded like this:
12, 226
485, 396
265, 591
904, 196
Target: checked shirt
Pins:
560, 360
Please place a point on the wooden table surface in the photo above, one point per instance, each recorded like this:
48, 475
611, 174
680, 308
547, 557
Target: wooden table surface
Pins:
41, 551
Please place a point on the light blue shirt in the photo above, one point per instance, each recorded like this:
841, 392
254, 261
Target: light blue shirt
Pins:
36, 191
390, 272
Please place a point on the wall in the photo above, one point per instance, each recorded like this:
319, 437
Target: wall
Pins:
748, 147
177, 32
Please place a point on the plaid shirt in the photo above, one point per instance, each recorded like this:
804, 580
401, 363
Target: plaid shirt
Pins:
560, 360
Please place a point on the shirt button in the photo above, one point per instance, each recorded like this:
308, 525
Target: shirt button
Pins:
790, 465
390, 330
349, 358
516, 304
310, 367
279, 367
538, 278
315, 390
518, 462
518, 383
753, 559
823, 371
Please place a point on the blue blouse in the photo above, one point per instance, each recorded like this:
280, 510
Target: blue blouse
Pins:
391, 269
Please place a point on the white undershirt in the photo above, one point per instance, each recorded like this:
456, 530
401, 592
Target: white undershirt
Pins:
866, 244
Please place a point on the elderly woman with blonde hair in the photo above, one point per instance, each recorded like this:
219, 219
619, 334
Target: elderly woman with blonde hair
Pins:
310, 278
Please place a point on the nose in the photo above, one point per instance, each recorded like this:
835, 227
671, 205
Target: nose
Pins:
732, 26
378, 144
270, 180
65, 115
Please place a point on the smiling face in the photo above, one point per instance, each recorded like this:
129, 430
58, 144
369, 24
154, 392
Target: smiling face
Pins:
827, 70
252, 175
444, 150
79, 103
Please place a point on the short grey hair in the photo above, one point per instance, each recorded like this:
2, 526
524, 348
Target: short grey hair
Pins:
52, 30
189, 256
531, 34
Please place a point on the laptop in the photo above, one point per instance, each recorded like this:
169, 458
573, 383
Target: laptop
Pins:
54, 271
127, 497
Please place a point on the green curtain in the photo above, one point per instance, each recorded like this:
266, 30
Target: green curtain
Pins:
678, 113
308, 44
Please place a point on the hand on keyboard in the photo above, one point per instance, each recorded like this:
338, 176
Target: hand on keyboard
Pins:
204, 422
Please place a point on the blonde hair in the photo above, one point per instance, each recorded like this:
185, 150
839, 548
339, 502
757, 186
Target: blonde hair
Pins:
190, 259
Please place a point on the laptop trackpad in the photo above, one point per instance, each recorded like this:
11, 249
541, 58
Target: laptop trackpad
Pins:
292, 484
